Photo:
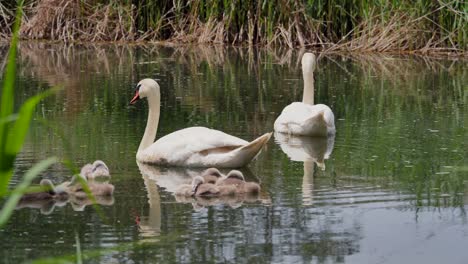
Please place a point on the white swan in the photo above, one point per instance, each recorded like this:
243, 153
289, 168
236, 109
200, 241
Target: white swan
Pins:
190, 147
305, 118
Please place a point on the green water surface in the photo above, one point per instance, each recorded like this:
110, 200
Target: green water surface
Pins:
394, 188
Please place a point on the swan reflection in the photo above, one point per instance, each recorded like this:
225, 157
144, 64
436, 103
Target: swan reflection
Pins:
309, 150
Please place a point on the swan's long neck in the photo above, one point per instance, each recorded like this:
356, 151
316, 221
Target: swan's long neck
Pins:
308, 96
154, 102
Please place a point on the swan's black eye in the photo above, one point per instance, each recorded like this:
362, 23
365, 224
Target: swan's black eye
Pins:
137, 87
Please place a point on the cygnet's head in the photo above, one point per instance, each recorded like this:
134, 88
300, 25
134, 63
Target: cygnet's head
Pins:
308, 62
100, 169
213, 172
86, 170
144, 88
196, 182
235, 174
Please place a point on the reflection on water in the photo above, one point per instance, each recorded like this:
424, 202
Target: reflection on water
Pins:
77, 199
309, 150
387, 188
150, 225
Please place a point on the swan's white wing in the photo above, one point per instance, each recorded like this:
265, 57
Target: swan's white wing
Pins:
303, 119
181, 146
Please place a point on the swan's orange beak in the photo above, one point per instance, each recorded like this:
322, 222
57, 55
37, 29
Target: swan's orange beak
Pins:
135, 98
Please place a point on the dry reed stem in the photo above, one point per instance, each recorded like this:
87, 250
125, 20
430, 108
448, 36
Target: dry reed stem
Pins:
184, 22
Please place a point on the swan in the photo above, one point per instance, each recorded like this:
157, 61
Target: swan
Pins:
193, 146
304, 118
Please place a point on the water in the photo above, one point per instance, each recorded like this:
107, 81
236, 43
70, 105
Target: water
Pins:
393, 189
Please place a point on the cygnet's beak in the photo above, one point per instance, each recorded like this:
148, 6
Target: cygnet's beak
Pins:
135, 98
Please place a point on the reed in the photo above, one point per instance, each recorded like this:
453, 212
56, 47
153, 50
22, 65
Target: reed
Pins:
13, 129
365, 25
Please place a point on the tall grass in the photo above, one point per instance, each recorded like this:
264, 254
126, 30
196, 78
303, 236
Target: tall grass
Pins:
372, 25
13, 129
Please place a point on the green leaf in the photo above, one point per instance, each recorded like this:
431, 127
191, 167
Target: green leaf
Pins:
15, 137
8, 119
7, 101
79, 260
18, 132
15, 196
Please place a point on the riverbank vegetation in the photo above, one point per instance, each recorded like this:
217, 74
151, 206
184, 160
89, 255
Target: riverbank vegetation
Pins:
365, 25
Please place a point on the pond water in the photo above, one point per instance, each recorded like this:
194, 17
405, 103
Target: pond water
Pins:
392, 185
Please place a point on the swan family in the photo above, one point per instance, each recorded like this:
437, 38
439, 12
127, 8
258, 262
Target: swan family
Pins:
204, 147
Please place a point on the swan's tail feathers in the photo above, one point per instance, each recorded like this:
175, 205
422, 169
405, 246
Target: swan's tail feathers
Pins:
245, 154
318, 118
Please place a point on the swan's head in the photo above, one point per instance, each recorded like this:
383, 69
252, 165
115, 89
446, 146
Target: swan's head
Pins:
99, 168
212, 172
144, 88
308, 62
235, 174
197, 181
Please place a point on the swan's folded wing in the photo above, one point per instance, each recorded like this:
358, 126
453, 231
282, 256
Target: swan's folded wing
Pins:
180, 145
297, 118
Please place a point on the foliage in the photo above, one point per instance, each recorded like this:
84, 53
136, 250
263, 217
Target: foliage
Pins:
13, 129
370, 25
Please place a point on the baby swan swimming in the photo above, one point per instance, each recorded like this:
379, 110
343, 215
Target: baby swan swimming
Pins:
50, 192
97, 189
211, 175
100, 169
236, 178
198, 188
97, 169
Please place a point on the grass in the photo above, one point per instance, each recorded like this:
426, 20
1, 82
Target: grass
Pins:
352, 25
13, 129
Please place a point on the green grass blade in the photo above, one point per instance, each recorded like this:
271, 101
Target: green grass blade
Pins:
8, 119
79, 259
6, 103
18, 132
10, 204
15, 137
